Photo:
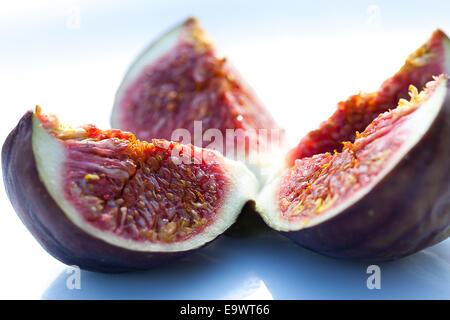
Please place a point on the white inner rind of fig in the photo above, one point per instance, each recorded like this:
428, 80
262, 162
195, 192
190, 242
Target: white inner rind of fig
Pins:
446, 44
415, 127
50, 156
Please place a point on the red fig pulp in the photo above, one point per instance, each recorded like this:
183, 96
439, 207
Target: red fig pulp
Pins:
358, 111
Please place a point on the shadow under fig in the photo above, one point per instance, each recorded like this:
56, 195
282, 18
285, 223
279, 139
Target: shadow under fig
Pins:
230, 266
248, 224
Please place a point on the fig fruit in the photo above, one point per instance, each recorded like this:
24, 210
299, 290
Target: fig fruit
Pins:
105, 201
182, 82
384, 196
354, 114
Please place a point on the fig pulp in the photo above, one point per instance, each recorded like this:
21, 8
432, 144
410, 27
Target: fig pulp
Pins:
384, 196
181, 79
105, 201
354, 114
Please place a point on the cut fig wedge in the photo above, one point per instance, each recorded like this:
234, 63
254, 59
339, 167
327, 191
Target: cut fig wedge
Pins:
104, 201
182, 82
384, 196
354, 114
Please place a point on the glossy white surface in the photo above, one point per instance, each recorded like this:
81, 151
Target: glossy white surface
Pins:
300, 57
267, 266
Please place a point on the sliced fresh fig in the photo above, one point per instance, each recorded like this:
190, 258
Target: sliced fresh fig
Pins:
180, 79
384, 196
105, 201
354, 114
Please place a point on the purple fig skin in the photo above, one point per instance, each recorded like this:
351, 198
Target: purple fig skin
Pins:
48, 223
407, 211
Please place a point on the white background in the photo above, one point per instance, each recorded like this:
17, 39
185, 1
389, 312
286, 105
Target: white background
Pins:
301, 57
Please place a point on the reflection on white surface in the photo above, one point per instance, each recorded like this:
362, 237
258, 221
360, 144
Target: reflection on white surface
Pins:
252, 288
259, 293
266, 266
300, 57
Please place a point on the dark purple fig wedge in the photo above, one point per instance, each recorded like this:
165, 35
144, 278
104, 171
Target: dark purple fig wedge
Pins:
107, 202
384, 196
